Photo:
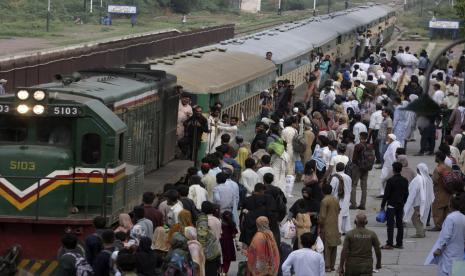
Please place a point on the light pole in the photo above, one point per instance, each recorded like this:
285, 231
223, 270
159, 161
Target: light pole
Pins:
48, 16
91, 5
314, 7
329, 5
279, 7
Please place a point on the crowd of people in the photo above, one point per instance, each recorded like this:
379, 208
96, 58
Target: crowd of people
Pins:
351, 121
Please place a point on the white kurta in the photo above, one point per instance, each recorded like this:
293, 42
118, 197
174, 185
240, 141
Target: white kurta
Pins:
389, 159
451, 240
249, 178
264, 170
225, 129
420, 194
402, 124
288, 135
198, 194
344, 203
212, 136
279, 166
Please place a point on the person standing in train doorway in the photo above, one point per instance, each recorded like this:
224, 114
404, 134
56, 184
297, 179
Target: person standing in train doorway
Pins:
194, 128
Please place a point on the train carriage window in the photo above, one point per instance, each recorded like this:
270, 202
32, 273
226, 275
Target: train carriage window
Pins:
90, 148
13, 129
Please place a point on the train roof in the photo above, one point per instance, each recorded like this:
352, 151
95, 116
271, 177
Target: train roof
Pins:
215, 71
291, 40
111, 85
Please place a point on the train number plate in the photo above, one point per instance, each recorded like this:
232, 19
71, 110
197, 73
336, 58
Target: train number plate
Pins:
5, 108
68, 111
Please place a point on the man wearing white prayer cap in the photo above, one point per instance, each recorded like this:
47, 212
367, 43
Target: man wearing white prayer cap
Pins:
389, 159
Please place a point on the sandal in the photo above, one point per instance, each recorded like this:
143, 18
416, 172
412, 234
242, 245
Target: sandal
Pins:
387, 247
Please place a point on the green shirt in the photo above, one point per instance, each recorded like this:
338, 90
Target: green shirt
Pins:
359, 243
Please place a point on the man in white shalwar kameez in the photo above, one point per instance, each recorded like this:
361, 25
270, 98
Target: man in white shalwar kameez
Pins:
389, 159
223, 128
288, 134
214, 131
449, 246
420, 198
344, 202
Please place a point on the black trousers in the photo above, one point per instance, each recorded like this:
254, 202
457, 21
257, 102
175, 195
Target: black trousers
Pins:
427, 141
394, 217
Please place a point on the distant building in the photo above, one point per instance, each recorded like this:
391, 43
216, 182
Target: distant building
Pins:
252, 6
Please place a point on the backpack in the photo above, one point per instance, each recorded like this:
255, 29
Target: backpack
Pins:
453, 181
368, 159
83, 268
461, 144
340, 186
348, 168
298, 143
242, 193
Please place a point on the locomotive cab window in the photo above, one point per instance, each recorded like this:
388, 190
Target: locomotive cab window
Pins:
90, 148
13, 129
56, 132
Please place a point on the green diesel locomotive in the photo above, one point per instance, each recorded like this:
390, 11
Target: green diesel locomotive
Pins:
77, 148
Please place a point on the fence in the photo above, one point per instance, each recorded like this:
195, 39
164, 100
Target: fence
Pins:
41, 67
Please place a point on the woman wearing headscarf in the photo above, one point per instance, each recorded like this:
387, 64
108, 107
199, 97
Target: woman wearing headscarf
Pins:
178, 259
263, 253
147, 260
160, 242
196, 250
125, 223
419, 200
319, 121
184, 220
211, 246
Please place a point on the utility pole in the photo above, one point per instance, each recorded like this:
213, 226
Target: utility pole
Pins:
421, 8
329, 6
279, 7
91, 5
314, 7
48, 16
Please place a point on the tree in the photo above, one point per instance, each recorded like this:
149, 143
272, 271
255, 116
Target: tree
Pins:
460, 8
181, 6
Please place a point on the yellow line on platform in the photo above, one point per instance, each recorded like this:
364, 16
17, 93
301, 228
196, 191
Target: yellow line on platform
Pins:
50, 268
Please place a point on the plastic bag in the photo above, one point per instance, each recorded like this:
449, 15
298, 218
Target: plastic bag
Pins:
288, 230
319, 246
290, 179
381, 216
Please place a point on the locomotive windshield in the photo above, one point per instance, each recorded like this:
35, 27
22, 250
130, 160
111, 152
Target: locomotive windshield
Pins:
50, 131
53, 131
13, 129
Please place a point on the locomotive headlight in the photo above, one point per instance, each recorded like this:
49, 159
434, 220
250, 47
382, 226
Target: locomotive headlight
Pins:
38, 109
22, 95
39, 95
22, 108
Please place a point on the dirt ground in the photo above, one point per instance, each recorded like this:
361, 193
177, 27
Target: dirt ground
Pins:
22, 44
